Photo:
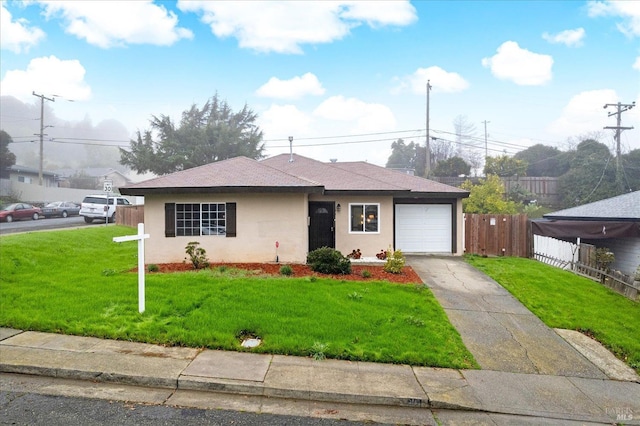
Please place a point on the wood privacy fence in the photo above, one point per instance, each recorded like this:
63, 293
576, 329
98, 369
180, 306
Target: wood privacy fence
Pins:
497, 235
130, 215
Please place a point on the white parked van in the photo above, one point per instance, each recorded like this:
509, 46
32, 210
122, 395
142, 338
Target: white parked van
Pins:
101, 207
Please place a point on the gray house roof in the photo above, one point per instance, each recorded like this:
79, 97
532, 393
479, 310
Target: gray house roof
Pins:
624, 207
279, 174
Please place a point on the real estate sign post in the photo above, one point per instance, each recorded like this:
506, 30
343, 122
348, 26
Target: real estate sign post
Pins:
140, 237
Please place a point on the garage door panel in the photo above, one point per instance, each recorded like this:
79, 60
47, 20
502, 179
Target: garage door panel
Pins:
423, 228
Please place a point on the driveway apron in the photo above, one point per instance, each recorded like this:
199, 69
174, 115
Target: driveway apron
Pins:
499, 331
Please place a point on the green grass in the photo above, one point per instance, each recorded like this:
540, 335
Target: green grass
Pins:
79, 282
562, 299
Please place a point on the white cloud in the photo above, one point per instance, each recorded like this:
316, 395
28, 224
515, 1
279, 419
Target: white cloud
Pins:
636, 64
295, 88
283, 26
570, 38
521, 66
365, 118
282, 121
118, 23
629, 11
47, 75
584, 113
17, 36
440, 80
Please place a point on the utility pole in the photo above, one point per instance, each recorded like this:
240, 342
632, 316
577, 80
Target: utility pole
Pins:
427, 169
486, 148
618, 128
42, 99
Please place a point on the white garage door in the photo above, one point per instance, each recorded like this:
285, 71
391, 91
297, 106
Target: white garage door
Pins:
423, 228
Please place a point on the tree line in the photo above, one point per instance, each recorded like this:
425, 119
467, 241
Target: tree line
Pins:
587, 173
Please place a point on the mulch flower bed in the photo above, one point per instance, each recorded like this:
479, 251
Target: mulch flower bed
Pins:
376, 272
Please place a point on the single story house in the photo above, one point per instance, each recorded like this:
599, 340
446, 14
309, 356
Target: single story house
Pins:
244, 210
30, 175
613, 223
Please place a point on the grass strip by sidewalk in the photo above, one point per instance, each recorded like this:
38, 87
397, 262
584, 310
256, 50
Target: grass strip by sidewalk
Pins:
562, 299
78, 282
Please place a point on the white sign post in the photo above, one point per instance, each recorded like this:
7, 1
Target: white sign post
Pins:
140, 237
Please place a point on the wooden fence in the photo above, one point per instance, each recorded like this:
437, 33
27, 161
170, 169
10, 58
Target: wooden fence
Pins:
497, 235
130, 215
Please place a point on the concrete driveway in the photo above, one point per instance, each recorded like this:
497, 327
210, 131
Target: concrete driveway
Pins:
499, 331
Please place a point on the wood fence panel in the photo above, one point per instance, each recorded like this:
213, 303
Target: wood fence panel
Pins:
497, 235
130, 215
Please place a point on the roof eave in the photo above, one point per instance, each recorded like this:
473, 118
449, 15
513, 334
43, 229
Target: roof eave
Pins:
222, 190
593, 219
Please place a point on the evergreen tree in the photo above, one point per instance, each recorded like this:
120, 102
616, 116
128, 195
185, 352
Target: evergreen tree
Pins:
203, 136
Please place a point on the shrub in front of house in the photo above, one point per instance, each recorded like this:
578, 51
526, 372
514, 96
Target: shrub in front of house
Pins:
286, 270
395, 262
197, 255
326, 260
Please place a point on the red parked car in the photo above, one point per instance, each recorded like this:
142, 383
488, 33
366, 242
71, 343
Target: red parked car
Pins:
19, 211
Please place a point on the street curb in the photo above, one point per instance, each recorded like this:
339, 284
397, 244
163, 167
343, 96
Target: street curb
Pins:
231, 387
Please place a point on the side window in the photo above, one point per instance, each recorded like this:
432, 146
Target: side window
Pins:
364, 218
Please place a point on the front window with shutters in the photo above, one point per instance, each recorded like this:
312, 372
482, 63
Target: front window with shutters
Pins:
195, 219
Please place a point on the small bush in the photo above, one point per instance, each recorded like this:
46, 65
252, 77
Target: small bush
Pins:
197, 255
366, 274
395, 262
603, 258
286, 270
326, 260
153, 268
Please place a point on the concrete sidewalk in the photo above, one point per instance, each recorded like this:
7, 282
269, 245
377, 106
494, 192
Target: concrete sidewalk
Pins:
427, 390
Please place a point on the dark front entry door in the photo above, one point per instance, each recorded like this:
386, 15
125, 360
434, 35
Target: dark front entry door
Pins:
321, 225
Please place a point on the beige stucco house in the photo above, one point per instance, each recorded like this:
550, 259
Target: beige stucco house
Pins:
243, 210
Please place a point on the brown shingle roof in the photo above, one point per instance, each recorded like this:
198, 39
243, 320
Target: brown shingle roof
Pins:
303, 174
411, 182
353, 176
225, 175
333, 178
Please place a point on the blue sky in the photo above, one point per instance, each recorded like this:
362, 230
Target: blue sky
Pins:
345, 79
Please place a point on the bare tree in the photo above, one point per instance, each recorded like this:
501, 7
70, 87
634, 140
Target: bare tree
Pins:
441, 150
467, 143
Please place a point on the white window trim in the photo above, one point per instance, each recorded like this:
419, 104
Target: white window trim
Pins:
364, 207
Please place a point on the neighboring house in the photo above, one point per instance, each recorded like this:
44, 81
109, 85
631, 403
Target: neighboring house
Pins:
613, 223
92, 177
30, 175
243, 210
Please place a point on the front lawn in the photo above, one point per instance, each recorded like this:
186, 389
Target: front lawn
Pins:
79, 282
564, 300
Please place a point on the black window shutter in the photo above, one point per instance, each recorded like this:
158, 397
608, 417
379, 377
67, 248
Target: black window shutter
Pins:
170, 219
231, 220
